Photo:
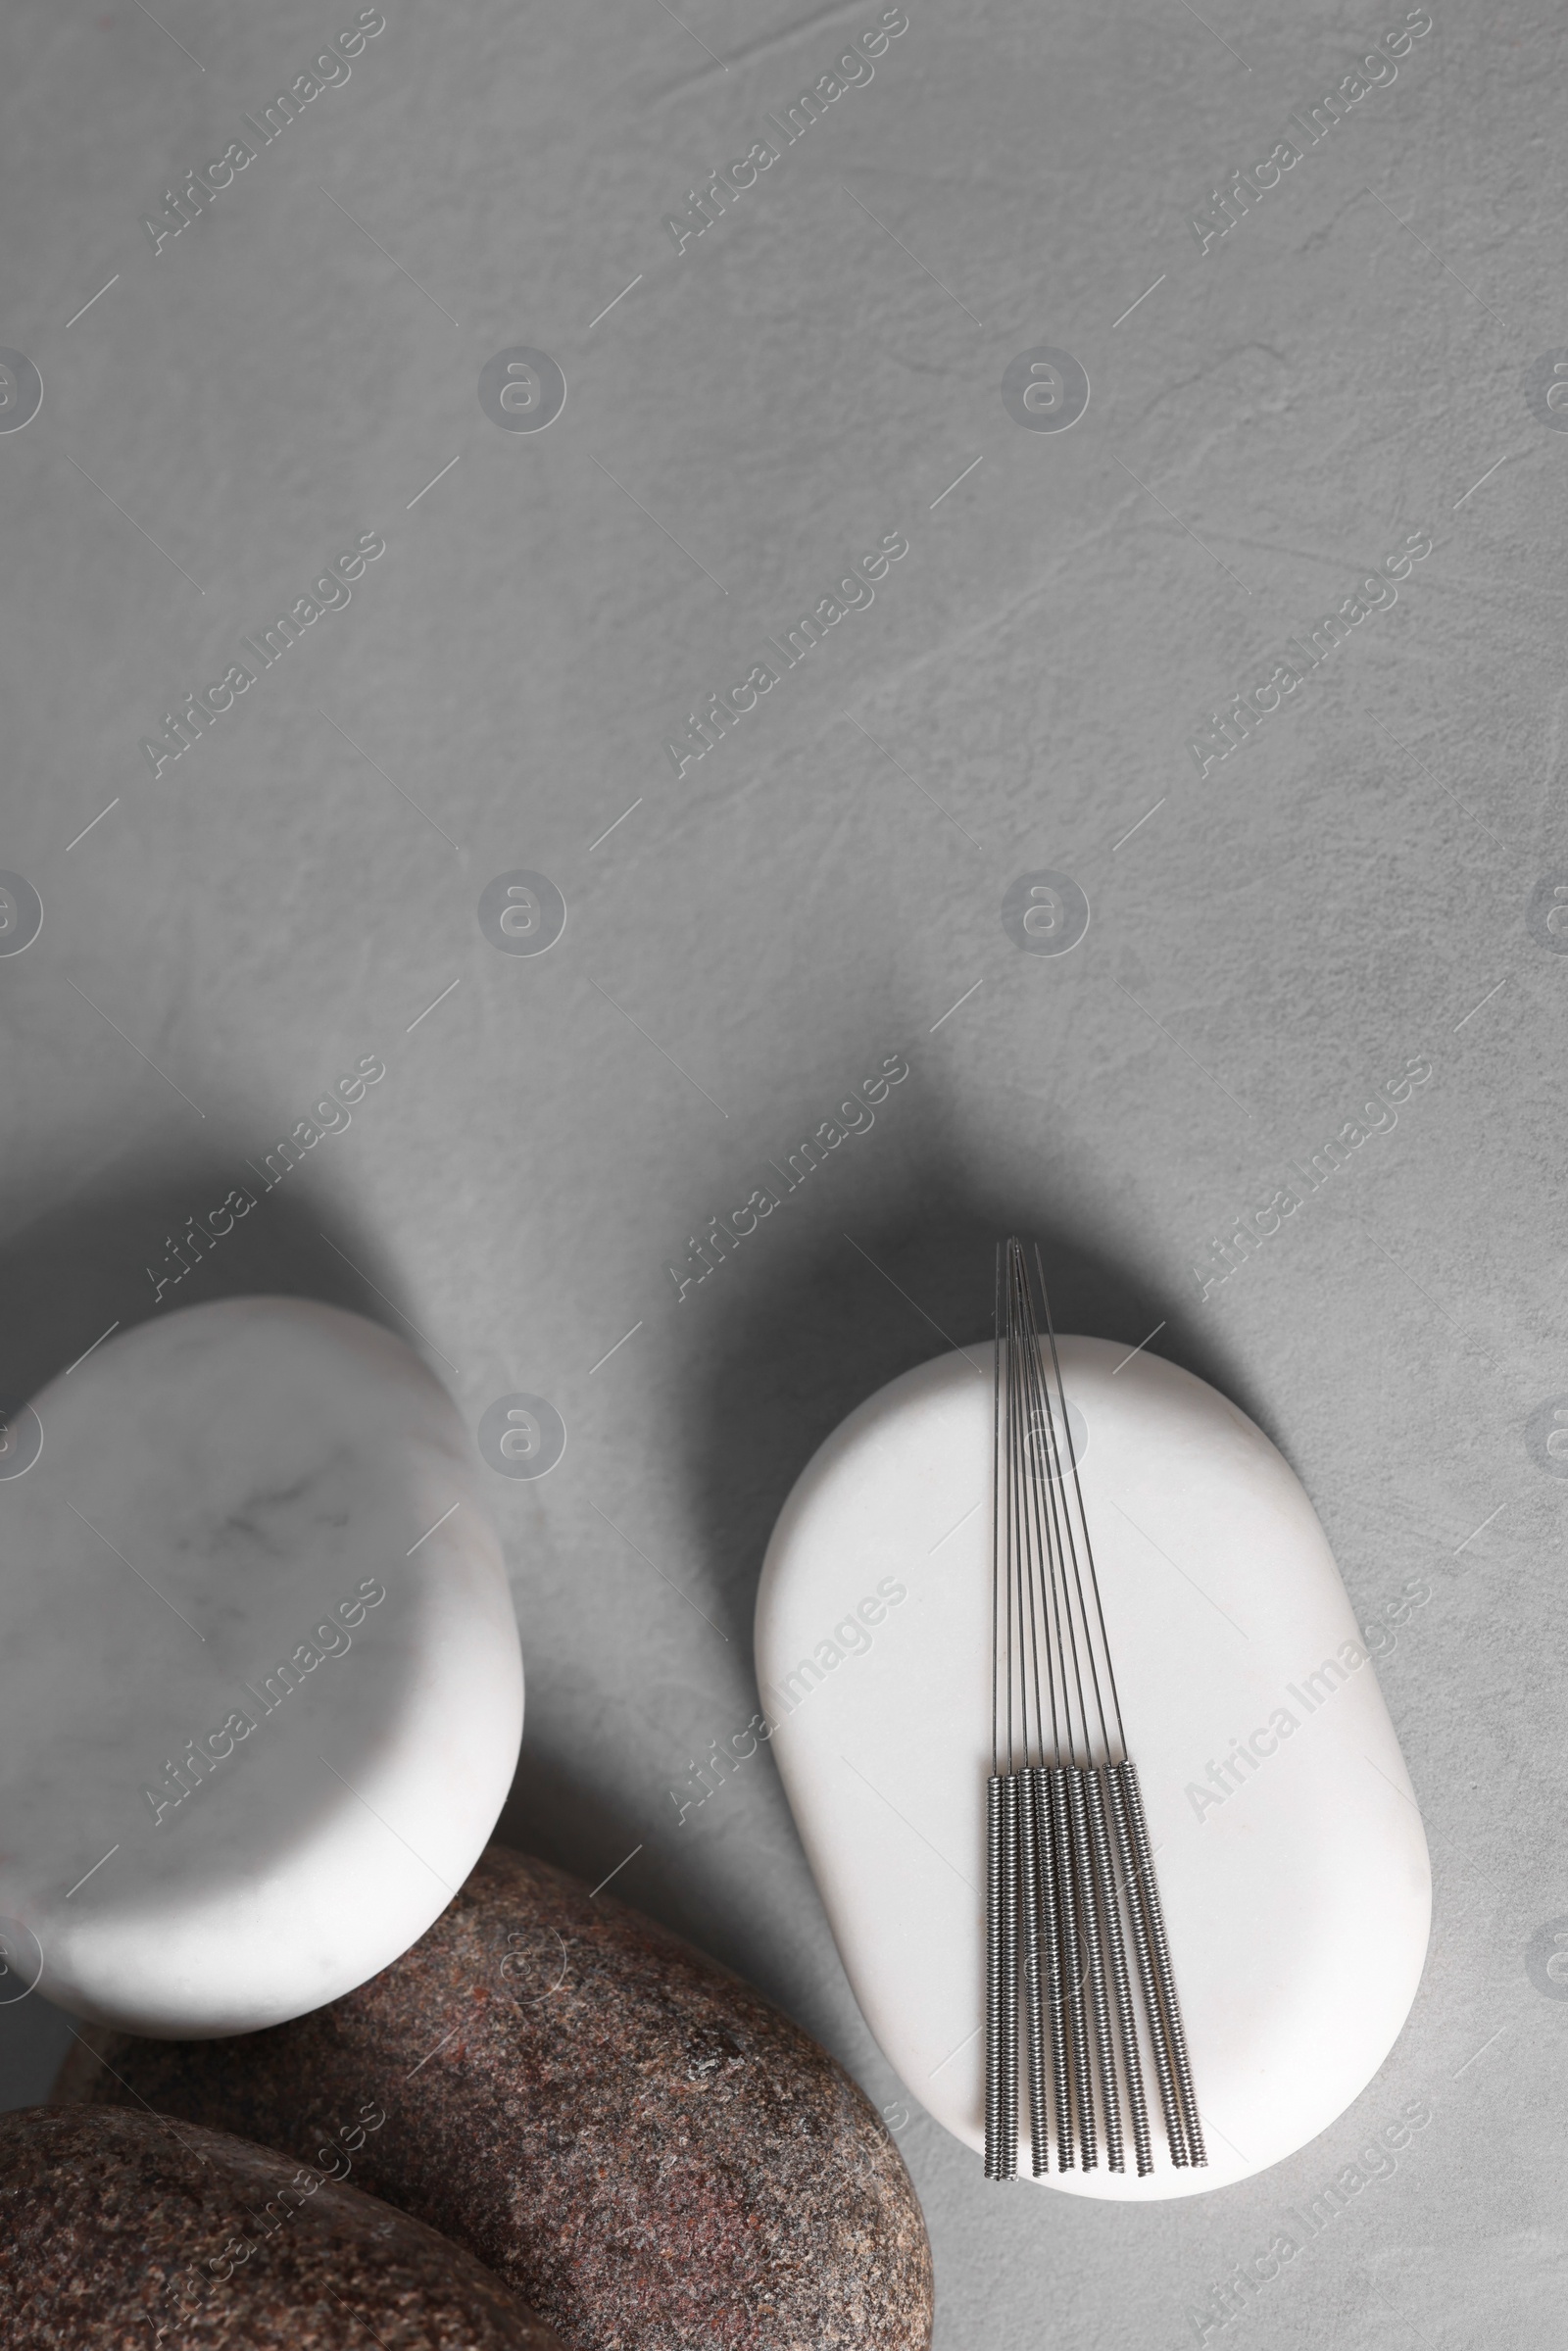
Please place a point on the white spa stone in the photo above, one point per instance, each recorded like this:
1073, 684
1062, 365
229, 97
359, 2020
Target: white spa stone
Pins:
221, 1493
1298, 1905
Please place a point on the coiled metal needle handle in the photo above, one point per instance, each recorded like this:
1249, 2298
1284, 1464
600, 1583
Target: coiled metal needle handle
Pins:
1197, 2153
995, 1987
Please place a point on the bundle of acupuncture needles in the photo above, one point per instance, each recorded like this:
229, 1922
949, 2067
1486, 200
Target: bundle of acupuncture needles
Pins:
1069, 1874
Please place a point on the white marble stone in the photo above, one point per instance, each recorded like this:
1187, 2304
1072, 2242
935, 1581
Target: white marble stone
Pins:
1297, 1905
220, 1495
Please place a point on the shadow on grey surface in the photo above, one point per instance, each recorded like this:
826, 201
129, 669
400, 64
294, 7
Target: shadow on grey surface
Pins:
627, 1848
93, 1259
553, 1814
35, 2038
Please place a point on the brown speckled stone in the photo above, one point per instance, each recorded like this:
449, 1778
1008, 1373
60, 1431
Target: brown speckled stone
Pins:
654, 2157
123, 2230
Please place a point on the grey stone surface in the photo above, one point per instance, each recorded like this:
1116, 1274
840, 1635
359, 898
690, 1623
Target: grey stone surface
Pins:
1365, 354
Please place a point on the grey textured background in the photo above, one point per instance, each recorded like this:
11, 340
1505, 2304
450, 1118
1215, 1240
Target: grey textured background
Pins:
1342, 895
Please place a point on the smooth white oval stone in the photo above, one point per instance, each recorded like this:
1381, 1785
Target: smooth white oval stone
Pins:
1298, 1903
220, 1497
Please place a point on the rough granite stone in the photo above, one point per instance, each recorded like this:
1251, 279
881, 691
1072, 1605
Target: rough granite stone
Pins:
650, 2154
123, 2230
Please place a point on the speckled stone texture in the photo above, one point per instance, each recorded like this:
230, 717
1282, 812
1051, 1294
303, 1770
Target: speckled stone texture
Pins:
646, 2150
123, 2230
